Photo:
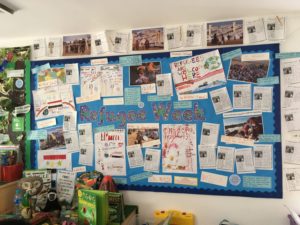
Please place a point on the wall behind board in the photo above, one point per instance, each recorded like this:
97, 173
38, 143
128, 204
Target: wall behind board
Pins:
210, 210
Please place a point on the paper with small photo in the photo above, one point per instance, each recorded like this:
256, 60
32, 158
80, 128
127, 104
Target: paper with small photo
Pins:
110, 156
244, 160
207, 156
90, 81
256, 30
290, 69
152, 160
67, 98
242, 96
71, 140
249, 67
220, 100
194, 35
263, 99
85, 133
119, 41
291, 119
54, 46
70, 121
291, 152
164, 84
86, 154
135, 156
275, 27
99, 43
225, 159
174, 37
72, 73
291, 97
292, 178
111, 78
263, 157
38, 49
209, 133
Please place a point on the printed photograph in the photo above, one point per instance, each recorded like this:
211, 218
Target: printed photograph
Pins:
145, 73
77, 45
143, 134
251, 29
289, 149
203, 154
247, 71
55, 139
290, 176
237, 94
288, 94
206, 132
287, 70
247, 127
225, 33
221, 155
148, 39
289, 117
258, 154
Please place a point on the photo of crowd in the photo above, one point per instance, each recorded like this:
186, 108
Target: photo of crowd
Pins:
248, 127
247, 71
148, 39
225, 33
77, 45
145, 73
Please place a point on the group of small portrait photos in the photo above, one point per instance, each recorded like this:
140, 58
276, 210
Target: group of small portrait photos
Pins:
289, 149
216, 99
258, 154
237, 94
258, 96
289, 117
287, 70
288, 94
290, 176
239, 158
221, 155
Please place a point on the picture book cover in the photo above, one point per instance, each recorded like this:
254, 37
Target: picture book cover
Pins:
116, 208
92, 207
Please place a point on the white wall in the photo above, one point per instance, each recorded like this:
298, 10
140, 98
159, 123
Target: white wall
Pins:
210, 210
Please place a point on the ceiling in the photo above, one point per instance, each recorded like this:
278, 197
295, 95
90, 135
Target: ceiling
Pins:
40, 18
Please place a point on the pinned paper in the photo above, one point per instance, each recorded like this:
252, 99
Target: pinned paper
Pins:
37, 135
102, 61
104, 128
18, 124
45, 123
21, 110
37, 69
189, 181
133, 60
155, 98
257, 182
120, 180
140, 176
287, 55
232, 54
15, 73
132, 96
268, 81
269, 138
182, 105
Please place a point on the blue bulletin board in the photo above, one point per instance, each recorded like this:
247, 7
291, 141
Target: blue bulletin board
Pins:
167, 111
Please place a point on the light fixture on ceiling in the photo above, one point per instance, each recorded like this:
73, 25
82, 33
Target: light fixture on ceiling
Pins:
6, 9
